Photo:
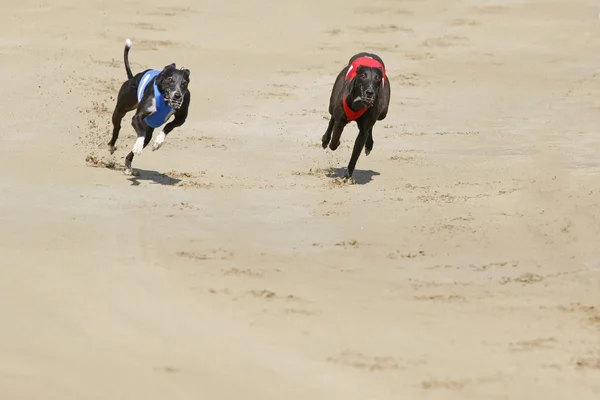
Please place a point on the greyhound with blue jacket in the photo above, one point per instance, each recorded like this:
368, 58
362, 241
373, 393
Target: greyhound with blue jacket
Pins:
156, 96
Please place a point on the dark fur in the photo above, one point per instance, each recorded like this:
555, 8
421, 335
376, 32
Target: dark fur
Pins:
364, 89
171, 82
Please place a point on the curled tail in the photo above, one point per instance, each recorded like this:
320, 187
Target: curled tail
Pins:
126, 57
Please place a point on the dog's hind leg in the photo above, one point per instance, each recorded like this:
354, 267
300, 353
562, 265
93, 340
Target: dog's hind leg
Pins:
369, 142
126, 101
359, 143
117, 117
327, 136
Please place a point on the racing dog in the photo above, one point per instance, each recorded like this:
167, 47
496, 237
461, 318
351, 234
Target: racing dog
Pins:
156, 96
361, 93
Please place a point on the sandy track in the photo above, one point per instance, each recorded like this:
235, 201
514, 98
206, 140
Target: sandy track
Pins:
463, 265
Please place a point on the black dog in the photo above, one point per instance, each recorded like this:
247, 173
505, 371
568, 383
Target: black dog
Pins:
157, 95
361, 93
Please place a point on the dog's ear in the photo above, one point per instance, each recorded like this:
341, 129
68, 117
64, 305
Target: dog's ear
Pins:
170, 66
186, 72
353, 84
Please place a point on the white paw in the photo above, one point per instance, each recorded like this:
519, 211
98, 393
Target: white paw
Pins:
138, 147
131, 172
158, 142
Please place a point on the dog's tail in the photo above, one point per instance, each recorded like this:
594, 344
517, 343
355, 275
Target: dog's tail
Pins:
126, 57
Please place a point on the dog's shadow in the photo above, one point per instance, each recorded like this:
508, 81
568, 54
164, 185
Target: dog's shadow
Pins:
151, 176
140, 174
360, 177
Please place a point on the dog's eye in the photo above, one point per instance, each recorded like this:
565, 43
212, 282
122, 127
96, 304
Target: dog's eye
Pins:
377, 78
363, 75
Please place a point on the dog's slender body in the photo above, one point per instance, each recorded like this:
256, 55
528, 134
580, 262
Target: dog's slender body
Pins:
156, 96
361, 93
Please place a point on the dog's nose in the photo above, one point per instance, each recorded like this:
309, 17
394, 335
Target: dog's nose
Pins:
176, 96
370, 93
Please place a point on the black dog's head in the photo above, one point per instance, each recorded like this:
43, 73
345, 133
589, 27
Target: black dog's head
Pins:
173, 83
367, 83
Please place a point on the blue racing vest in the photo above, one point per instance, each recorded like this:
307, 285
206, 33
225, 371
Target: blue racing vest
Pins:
163, 110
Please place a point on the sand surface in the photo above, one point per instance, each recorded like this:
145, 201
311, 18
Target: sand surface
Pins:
463, 264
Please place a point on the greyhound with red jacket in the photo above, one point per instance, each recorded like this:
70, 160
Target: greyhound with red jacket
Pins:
361, 93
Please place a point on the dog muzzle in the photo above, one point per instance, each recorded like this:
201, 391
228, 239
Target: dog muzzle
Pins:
175, 103
369, 101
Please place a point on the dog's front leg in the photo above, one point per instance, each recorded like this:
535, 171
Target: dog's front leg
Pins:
144, 135
338, 128
369, 143
327, 136
180, 117
143, 130
359, 143
160, 138
146, 107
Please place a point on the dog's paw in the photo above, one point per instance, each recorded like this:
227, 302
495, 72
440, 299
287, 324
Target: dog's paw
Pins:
334, 146
131, 172
158, 142
325, 140
138, 147
111, 149
347, 179
367, 151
